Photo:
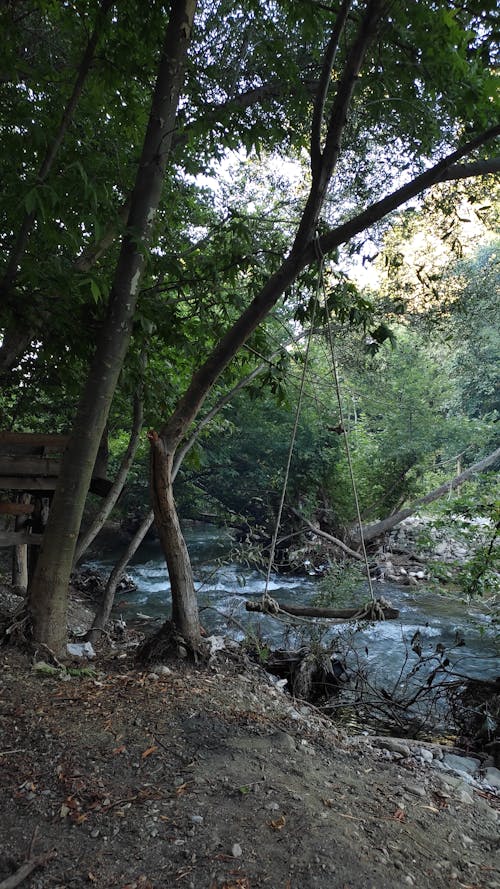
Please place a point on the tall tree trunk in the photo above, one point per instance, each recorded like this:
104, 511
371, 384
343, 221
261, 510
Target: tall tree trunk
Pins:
49, 586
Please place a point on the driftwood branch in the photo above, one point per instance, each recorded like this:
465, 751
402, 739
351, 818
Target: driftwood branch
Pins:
331, 539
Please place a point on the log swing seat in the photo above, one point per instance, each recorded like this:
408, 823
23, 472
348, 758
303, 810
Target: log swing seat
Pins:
376, 609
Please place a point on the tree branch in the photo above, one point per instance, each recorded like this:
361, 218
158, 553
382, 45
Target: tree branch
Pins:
476, 168
438, 173
50, 155
323, 86
117, 487
337, 123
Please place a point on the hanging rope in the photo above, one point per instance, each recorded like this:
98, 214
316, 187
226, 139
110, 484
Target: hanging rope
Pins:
375, 610
343, 425
271, 605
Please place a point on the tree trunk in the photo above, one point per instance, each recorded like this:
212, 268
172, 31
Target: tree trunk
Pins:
117, 487
370, 532
185, 616
184, 605
20, 553
48, 589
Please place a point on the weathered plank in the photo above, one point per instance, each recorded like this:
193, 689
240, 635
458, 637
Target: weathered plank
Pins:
37, 439
16, 508
27, 483
39, 466
16, 538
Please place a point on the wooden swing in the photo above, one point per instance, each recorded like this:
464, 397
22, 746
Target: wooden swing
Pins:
376, 609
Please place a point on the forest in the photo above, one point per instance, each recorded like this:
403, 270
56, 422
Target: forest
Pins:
249, 283
243, 245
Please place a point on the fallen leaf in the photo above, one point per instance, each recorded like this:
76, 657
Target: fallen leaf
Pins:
181, 789
399, 815
149, 751
279, 823
120, 749
91, 877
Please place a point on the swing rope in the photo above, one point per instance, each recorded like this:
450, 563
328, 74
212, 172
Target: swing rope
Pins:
344, 431
375, 610
271, 604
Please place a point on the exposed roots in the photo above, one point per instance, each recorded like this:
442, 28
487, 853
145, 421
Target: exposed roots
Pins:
168, 645
16, 629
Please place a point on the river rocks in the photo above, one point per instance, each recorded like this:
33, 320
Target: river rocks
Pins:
395, 745
468, 764
492, 777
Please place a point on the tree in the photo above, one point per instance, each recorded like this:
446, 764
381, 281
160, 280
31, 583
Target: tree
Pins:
328, 129
48, 588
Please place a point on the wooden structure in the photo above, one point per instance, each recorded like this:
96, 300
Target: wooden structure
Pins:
29, 468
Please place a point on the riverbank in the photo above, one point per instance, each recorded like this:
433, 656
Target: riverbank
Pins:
215, 779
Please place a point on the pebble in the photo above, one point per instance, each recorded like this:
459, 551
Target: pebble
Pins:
236, 850
416, 790
425, 754
197, 819
394, 745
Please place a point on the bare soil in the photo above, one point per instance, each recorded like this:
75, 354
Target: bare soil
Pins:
215, 779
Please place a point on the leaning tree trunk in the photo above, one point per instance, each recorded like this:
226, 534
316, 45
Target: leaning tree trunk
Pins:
371, 532
49, 587
185, 615
164, 446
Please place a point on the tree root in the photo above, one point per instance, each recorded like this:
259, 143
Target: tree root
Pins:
168, 645
32, 863
16, 629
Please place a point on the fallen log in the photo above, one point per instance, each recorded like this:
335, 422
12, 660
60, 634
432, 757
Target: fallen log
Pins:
379, 610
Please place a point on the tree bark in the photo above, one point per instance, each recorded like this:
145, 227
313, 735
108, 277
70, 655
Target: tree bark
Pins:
370, 532
185, 616
116, 489
48, 589
386, 612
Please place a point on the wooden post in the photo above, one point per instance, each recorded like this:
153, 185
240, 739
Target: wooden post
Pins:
20, 552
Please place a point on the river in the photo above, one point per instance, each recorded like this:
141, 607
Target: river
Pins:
224, 587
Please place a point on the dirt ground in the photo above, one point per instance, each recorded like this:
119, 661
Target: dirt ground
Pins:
215, 779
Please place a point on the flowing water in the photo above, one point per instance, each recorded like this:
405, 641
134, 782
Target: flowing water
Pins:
224, 587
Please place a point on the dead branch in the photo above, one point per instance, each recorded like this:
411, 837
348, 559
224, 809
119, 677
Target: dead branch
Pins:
32, 863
